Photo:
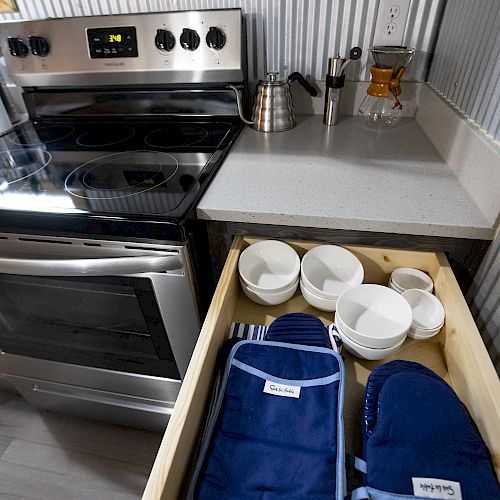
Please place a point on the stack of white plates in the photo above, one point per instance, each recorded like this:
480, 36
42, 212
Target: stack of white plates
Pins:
427, 313
326, 272
269, 272
372, 320
407, 278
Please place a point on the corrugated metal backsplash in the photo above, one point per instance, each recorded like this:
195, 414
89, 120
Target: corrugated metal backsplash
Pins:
466, 65
284, 35
466, 70
484, 301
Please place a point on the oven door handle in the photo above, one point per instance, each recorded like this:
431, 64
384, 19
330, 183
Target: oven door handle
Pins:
109, 266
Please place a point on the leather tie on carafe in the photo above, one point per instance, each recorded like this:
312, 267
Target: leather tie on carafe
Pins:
395, 87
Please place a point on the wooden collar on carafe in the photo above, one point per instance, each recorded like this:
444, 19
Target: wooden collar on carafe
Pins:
384, 81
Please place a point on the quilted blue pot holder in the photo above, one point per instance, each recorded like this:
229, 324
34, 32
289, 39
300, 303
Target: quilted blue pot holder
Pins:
276, 429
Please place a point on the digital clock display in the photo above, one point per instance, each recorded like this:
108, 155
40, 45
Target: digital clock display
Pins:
113, 42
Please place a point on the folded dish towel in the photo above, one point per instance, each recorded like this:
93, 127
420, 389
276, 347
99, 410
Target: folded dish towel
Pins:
246, 331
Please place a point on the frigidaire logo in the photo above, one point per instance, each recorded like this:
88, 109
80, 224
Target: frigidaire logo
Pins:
114, 64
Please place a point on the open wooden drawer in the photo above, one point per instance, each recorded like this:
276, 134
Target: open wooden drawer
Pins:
457, 354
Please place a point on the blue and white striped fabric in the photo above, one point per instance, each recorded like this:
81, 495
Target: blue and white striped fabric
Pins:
247, 331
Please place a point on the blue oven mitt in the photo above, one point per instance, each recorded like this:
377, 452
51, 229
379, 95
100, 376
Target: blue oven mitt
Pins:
419, 440
299, 328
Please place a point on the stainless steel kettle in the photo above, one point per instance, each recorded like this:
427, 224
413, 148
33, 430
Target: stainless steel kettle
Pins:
273, 107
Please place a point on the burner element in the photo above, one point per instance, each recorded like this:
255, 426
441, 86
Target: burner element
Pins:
19, 164
105, 136
119, 175
176, 136
46, 135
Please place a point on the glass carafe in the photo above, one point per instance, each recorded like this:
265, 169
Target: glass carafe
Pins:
381, 106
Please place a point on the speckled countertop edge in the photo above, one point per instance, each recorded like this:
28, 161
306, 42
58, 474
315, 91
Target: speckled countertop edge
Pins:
344, 177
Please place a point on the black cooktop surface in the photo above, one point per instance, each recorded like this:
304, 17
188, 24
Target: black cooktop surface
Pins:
132, 169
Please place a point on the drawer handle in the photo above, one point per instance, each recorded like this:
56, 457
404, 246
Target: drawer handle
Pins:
57, 390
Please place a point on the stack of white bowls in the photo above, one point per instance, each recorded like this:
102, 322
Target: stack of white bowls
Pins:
427, 313
269, 272
407, 278
372, 320
326, 272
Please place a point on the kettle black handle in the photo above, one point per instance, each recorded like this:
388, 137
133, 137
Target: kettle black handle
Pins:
297, 76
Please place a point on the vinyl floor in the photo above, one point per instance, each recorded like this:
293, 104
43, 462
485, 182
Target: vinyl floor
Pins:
49, 456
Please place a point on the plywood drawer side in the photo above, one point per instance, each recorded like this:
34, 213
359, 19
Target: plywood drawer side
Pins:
173, 459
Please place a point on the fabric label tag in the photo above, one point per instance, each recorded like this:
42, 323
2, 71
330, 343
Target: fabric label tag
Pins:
288, 391
429, 487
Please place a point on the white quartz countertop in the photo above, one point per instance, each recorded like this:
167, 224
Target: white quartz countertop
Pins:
343, 177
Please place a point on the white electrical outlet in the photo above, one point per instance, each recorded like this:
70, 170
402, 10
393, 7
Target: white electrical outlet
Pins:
391, 22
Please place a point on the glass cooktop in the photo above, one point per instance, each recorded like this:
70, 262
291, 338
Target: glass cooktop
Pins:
111, 168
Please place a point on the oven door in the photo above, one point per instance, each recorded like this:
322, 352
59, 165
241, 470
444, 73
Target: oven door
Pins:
100, 329
110, 322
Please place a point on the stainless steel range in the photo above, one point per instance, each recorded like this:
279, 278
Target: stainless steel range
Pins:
100, 251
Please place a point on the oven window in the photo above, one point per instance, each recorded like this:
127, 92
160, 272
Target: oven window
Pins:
104, 322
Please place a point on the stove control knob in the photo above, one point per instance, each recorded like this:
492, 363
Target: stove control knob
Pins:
216, 38
39, 46
190, 40
17, 47
164, 40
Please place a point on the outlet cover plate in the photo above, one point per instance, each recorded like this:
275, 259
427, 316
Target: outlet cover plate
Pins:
391, 22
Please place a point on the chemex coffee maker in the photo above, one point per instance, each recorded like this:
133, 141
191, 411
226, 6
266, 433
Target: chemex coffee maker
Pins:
382, 106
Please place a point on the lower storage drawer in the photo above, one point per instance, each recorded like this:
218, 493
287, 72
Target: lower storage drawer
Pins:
457, 354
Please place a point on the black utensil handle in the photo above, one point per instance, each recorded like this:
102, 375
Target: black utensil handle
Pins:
335, 82
297, 76
355, 53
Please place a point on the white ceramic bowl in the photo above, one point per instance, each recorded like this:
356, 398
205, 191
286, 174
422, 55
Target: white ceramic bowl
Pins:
374, 316
317, 301
269, 266
427, 309
352, 333
395, 287
363, 352
269, 299
349, 332
420, 334
406, 278
330, 270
